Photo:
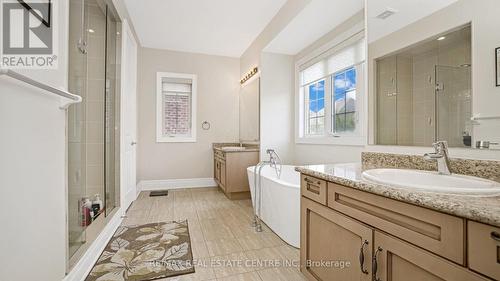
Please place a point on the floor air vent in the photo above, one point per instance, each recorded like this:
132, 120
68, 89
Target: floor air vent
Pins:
158, 193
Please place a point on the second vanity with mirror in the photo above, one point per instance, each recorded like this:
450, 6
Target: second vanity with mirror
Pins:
231, 160
392, 232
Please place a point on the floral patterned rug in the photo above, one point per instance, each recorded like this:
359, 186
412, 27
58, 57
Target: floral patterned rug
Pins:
145, 252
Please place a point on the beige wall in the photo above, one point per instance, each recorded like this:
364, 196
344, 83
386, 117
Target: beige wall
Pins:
485, 38
33, 171
218, 88
277, 107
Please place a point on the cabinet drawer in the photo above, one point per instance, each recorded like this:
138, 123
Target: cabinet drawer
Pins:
313, 188
484, 249
436, 232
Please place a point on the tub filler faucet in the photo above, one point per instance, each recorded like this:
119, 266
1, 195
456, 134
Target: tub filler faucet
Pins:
275, 163
441, 156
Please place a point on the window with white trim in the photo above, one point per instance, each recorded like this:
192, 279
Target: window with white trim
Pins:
331, 95
176, 107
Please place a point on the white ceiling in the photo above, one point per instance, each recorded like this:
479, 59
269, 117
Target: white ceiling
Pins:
216, 27
408, 11
315, 20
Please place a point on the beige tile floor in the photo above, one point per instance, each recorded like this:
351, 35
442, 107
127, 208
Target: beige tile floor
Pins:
225, 246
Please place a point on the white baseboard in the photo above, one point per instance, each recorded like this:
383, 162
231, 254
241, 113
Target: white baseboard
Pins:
175, 184
87, 261
130, 197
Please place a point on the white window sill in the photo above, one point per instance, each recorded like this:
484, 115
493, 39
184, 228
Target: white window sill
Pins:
331, 140
175, 139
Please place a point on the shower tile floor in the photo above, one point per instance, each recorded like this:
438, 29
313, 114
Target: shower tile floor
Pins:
225, 246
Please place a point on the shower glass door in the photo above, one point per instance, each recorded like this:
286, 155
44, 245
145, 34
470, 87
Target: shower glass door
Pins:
93, 135
77, 133
453, 105
111, 133
387, 121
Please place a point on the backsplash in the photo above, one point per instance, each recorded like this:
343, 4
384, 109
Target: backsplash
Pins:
479, 168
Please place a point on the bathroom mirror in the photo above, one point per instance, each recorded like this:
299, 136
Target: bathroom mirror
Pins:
432, 73
250, 111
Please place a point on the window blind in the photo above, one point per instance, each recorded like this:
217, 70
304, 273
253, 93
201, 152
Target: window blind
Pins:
176, 106
334, 60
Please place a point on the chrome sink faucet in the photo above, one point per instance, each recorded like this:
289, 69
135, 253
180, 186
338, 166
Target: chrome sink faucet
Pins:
441, 156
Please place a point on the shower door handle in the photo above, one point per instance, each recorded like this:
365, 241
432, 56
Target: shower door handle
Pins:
133, 143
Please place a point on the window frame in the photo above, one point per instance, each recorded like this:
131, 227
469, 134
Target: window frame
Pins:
359, 137
160, 138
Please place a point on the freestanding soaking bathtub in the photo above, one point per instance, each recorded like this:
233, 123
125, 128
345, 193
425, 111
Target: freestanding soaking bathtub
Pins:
280, 208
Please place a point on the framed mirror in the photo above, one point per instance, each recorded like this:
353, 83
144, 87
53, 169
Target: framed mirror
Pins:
430, 75
250, 111
497, 66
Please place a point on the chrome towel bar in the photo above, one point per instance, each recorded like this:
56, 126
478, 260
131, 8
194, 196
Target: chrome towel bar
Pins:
69, 97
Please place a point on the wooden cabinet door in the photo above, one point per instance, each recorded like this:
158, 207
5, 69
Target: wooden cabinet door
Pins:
396, 260
222, 168
217, 170
484, 249
333, 246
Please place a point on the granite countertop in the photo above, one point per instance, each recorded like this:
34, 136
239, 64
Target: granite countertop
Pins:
242, 148
478, 208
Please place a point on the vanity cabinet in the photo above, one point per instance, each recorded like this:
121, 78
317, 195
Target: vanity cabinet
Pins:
389, 240
230, 171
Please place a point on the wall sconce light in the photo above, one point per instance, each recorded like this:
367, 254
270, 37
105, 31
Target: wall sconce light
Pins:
249, 75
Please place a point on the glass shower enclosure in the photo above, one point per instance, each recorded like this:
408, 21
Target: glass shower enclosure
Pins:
93, 128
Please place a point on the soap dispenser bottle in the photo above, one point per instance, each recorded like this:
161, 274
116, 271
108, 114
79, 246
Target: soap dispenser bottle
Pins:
98, 201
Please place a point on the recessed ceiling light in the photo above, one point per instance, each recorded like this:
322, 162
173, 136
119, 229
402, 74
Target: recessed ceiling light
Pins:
386, 13
91, 30
441, 38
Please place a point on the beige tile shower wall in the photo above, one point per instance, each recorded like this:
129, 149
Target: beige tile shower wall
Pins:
218, 88
404, 100
94, 102
423, 97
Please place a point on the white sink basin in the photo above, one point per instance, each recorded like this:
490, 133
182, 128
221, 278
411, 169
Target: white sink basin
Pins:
433, 182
